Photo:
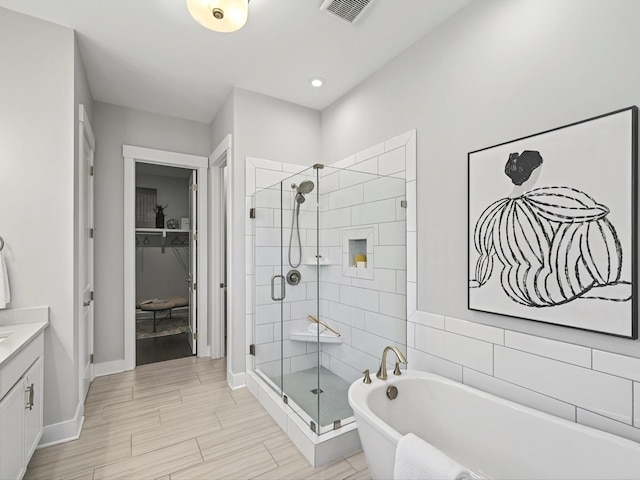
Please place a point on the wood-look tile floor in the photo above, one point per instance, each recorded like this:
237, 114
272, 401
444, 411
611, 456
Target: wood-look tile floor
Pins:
179, 420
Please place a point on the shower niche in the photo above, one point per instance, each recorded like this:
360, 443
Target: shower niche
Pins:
357, 252
344, 230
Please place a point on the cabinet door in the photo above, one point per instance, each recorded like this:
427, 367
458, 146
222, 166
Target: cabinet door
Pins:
11, 433
32, 384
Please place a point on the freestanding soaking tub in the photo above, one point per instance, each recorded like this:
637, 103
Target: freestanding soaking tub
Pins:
490, 436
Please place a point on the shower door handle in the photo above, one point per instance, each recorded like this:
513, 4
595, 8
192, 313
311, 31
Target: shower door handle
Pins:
284, 288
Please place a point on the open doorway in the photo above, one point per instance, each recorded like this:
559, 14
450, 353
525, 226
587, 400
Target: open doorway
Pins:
164, 270
219, 246
197, 167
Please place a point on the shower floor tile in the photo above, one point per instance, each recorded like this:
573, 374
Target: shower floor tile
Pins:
334, 404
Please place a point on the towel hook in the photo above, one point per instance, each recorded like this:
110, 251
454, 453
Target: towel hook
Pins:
1, 243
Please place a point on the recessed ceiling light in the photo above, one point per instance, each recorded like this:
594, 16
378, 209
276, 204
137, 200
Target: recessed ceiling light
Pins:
316, 81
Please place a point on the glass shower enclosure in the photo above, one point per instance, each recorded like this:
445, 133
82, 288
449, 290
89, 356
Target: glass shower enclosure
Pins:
329, 277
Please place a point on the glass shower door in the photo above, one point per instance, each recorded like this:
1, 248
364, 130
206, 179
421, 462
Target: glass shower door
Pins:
286, 292
300, 306
269, 286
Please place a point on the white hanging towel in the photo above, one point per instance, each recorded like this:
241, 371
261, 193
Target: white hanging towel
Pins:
419, 460
5, 294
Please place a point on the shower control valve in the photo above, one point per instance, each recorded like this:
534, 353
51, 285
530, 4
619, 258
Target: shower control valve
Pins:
294, 277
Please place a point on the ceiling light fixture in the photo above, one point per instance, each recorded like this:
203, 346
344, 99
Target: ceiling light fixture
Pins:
219, 15
316, 81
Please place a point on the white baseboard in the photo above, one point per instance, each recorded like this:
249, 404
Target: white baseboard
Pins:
64, 431
108, 368
204, 351
236, 380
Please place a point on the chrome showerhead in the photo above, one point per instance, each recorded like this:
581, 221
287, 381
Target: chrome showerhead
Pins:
302, 189
305, 187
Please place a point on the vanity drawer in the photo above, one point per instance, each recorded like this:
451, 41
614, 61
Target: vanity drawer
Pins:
12, 372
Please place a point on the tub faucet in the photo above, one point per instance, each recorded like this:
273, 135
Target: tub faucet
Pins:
382, 371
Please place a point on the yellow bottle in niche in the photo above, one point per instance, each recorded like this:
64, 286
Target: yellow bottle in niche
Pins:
360, 260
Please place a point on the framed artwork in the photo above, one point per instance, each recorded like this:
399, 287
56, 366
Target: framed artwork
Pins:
552, 226
145, 207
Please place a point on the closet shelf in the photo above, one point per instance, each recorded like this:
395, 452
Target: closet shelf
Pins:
174, 235
160, 231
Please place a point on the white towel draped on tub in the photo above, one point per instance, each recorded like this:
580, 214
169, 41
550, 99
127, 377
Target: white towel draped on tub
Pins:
419, 460
5, 294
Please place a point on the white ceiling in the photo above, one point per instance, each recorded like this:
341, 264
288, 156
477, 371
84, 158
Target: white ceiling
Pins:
151, 55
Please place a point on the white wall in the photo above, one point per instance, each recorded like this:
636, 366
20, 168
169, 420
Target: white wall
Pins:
263, 127
114, 126
510, 69
222, 123
82, 95
270, 128
37, 131
500, 70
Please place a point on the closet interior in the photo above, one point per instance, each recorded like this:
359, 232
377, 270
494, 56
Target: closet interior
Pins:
163, 258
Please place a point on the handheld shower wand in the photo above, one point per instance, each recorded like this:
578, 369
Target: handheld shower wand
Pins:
301, 190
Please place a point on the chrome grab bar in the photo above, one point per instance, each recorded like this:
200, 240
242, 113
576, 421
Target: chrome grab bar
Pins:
284, 288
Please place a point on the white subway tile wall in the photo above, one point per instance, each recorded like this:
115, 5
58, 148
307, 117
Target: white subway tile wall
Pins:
368, 310
428, 319
419, 360
392, 161
591, 419
518, 394
589, 386
369, 153
466, 351
619, 365
601, 393
551, 376
549, 348
474, 330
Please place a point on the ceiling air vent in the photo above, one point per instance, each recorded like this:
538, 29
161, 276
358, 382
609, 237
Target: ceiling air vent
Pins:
347, 10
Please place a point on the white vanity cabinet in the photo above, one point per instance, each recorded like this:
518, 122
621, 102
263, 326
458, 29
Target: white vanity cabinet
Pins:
21, 384
32, 387
12, 433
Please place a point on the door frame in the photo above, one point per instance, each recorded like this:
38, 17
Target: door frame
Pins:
219, 210
85, 132
132, 155
192, 191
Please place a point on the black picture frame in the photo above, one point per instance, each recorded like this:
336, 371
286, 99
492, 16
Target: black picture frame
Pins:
552, 226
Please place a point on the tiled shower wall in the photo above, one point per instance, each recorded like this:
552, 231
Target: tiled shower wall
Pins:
369, 311
264, 257
367, 308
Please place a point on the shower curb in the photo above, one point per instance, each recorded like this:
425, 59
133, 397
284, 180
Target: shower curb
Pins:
317, 449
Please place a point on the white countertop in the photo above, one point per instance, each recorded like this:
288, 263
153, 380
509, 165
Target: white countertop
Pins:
18, 327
